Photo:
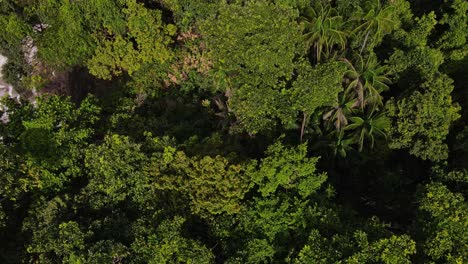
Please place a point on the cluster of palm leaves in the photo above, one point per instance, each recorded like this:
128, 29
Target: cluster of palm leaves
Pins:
326, 32
357, 116
377, 22
367, 79
323, 31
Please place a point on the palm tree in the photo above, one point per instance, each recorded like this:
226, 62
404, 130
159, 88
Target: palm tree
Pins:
323, 31
367, 79
338, 115
342, 145
369, 126
377, 21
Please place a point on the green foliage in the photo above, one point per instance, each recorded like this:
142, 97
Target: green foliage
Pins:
14, 29
256, 42
422, 59
168, 245
445, 225
108, 37
454, 39
396, 249
324, 31
367, 79
213, 185
298, 4
275, 219
341, 111
186, 13
105, 15
317, 250
421, 121
374, 23
65, 41
112, 170
288, 169
316, 87
420, 31
63, 239
145, 42
253, 46
370, 126
258, 109
192, 155
259, 251
50, 139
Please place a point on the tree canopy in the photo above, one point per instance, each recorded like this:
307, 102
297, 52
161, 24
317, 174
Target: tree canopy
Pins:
234, 131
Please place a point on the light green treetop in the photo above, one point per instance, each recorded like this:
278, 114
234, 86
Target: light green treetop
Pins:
421, 121
146, 41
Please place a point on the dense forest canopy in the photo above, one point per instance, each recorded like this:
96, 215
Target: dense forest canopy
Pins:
234, 131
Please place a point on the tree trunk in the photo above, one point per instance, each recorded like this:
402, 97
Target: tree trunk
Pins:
304, 120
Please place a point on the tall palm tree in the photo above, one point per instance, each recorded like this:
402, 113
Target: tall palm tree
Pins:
369, 126
323, 31
377, 22
338, 115
367, 79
